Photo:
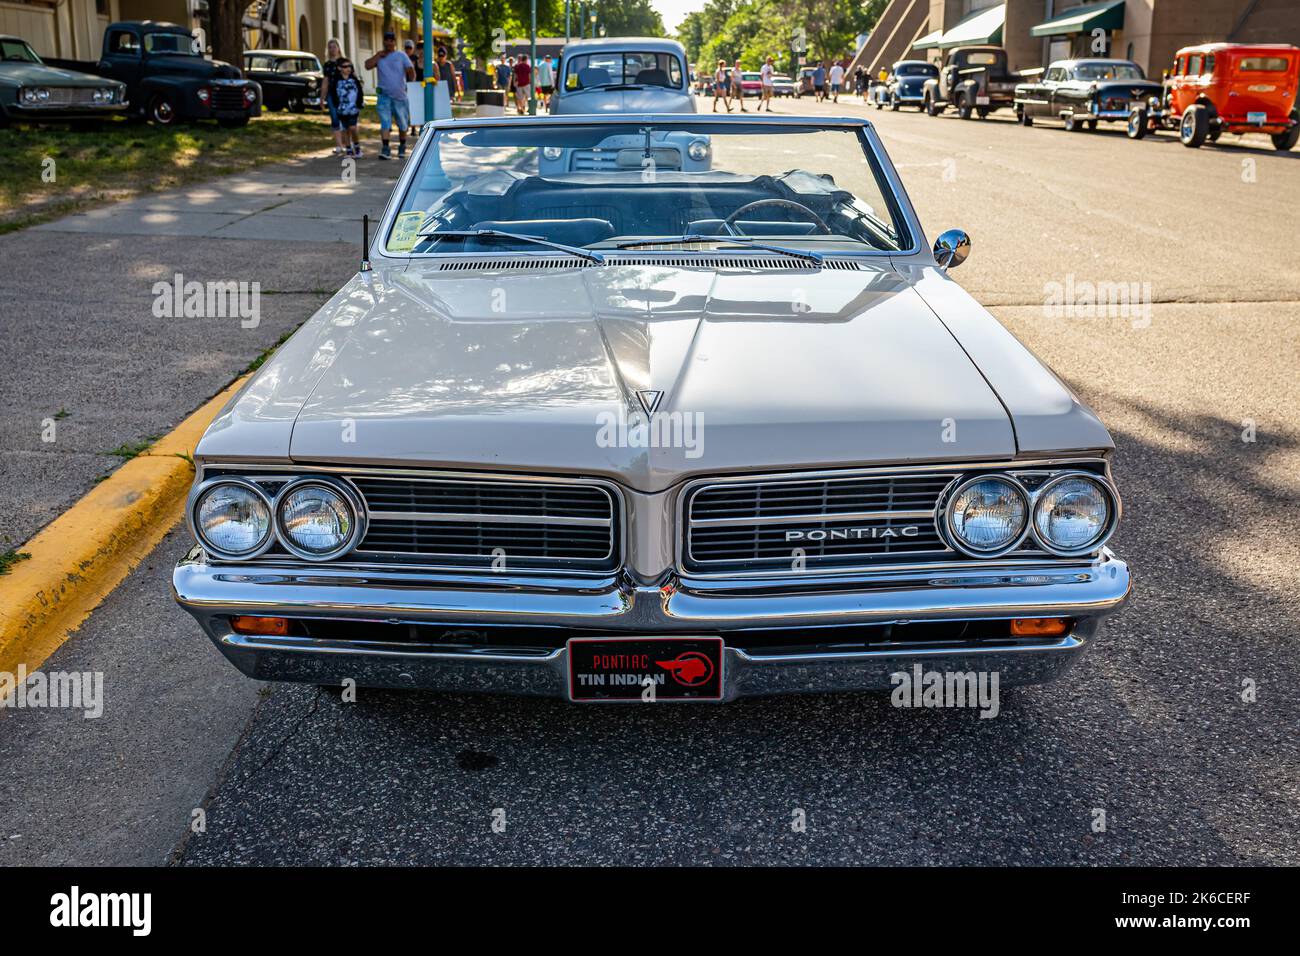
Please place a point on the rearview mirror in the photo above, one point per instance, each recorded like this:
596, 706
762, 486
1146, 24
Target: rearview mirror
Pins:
951, 249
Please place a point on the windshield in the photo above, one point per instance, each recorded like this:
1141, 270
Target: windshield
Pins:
297, 65
1108, 71
171, 43
17, 51
589, 70
596, 186
916, 69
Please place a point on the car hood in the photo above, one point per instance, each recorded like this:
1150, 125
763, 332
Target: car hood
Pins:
193, 66
651, 100
540, 371
31, 73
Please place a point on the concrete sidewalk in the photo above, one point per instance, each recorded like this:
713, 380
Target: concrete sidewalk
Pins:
90, 366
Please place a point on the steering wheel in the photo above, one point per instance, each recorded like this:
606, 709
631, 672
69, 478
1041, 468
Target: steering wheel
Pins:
784, 203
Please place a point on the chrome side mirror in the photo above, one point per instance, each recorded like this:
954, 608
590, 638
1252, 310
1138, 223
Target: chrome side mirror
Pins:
951, 249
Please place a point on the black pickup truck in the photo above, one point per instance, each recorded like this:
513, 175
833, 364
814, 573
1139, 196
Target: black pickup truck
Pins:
167, 77
974, 79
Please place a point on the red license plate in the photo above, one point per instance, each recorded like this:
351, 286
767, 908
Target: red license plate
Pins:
649, 669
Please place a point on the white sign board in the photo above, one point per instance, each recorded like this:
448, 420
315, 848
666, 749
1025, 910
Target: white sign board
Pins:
441, 102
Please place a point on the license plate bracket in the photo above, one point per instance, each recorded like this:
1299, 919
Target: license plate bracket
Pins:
1256, 119
624, 669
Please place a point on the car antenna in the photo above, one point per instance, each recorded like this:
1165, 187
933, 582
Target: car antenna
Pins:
365, 243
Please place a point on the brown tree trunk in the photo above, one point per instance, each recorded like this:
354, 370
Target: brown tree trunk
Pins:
388, 16
227, 37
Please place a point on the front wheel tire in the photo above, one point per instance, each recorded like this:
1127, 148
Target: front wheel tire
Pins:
964, 108
1137, 124
1195, 127
162, 111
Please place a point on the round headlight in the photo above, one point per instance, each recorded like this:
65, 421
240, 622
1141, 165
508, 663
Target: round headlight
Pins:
1073, 514
698, 150
42, 95
988, 516
29, 95
315, 520
233, 519
552, 152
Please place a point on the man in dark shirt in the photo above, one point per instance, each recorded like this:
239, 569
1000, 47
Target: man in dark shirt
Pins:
523, 83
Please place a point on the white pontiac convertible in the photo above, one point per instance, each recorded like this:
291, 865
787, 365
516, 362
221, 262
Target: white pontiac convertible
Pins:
694, 414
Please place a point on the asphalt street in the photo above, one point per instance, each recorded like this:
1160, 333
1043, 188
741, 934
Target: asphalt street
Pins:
1150, 728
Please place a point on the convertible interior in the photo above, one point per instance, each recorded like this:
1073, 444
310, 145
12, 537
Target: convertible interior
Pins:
604, 208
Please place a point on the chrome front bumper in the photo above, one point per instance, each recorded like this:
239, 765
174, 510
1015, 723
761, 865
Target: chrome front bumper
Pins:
615, 606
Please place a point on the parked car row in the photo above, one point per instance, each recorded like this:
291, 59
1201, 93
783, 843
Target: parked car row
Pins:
1212, 88
157, 72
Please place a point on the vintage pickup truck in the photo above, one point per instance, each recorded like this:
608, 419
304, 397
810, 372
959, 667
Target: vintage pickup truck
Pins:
974, 79
167, 77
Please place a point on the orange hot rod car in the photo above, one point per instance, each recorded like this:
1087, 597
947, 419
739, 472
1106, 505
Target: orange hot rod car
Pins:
1226, 87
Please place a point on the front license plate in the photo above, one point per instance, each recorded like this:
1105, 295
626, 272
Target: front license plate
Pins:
1256, 119
647, 669
981, 101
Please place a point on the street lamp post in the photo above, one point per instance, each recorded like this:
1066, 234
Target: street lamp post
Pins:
428, 60
532, 61
566, 21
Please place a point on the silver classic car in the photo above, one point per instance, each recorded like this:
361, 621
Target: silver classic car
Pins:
637, 432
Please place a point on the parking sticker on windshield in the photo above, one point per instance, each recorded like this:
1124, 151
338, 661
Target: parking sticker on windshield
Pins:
406, 232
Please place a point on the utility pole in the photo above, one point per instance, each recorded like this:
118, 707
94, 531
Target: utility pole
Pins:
532, 62
428, 60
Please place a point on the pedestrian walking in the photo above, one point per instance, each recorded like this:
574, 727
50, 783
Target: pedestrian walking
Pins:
330, 71
766, 73
837, 81
503, 73
737, 85
545, 81
819, 82
721, 88
346, 97
523, 83
395, 70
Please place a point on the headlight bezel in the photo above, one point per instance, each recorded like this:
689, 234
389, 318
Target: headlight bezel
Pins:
192, 515
350, 497
949, 534
1113, 508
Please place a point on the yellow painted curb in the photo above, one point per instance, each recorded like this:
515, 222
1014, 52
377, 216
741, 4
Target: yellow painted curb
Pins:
87, 551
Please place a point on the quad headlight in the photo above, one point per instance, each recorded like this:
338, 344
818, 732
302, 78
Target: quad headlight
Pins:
232, 518
316, 519
1069, 514
987, 515
35, 94
1073, 514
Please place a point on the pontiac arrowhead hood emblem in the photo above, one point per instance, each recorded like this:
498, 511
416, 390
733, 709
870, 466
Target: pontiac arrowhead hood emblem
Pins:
649, 400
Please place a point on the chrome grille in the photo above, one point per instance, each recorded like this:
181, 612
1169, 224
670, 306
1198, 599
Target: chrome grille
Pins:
808, 524
471, 523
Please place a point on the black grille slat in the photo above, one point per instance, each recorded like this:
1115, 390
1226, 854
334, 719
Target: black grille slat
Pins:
840, 522
463, 522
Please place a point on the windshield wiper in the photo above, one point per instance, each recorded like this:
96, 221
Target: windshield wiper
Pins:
752, 243
517, 236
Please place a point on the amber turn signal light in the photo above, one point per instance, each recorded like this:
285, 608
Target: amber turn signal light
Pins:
1039, 626
276, 626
